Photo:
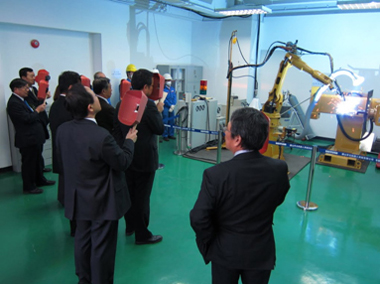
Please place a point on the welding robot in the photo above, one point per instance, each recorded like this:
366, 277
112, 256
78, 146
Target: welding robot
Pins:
352, 109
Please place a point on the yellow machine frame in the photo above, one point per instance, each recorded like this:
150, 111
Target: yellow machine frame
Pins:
352, 124
273, 105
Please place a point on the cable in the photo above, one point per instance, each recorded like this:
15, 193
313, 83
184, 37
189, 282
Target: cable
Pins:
203, 146
270, 53
243, 76
199, 13
256, 82
208, 118
307, 99
320, 53
348, 136
184, 110
237, 41
159, 45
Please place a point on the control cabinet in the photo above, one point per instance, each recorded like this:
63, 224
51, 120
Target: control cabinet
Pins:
186, 78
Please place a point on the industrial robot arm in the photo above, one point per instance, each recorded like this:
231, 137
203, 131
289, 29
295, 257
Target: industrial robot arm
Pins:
275, 99
273, 105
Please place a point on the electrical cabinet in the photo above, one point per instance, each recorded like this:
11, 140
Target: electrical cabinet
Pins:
203, 117
186, 78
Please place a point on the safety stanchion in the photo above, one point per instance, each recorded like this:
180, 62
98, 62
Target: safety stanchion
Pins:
306, 204
160, 165
179, 150
219, 150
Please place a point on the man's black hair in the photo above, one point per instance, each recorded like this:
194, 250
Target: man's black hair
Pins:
66, 79
24, 71
251, 125
141, 78
100, 84
77, 101
17, 83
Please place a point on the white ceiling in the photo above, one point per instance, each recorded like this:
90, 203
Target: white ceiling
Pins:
207, 8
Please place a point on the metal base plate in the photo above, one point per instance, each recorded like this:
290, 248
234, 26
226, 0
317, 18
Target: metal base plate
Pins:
311, 207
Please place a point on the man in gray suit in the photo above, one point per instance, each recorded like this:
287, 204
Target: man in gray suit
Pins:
96, 194
233, 215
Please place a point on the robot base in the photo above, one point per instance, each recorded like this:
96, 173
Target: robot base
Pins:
342, 162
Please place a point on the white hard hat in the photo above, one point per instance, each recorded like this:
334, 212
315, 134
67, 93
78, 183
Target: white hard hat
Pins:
155, 71
167, 76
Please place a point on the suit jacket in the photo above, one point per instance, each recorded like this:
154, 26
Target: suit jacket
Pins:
34, 102
105, 117
58, 114
93, 165
145, 158
28, 125
233, 215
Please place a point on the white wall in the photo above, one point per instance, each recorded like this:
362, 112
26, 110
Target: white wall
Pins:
16, 52
351, 39
210, 46
120, 34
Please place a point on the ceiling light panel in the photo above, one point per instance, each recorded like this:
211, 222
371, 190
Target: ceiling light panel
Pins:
352, 5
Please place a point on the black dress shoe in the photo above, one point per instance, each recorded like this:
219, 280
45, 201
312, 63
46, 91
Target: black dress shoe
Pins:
152, 240
166, 139
128, 232
46, 170
46, 182
171, 137
33, 191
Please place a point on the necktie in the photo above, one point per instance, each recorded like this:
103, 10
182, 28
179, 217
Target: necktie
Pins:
28, 106
32, 90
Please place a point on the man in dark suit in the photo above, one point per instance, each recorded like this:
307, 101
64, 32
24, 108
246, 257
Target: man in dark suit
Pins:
140, 175
59, 114
96, 194
102, 88
29, 137
233, 215
28, 75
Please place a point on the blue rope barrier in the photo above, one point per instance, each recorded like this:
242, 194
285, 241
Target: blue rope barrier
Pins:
193, 129
283, 144
325, 151
170, 118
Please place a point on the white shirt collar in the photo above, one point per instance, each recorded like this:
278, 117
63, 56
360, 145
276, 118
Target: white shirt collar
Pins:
241, 152
100, 97
92, 119
21, 98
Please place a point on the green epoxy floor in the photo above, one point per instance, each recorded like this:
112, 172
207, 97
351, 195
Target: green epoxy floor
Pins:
338, 243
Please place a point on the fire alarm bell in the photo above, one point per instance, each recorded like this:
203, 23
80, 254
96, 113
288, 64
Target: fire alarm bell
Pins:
34, 43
